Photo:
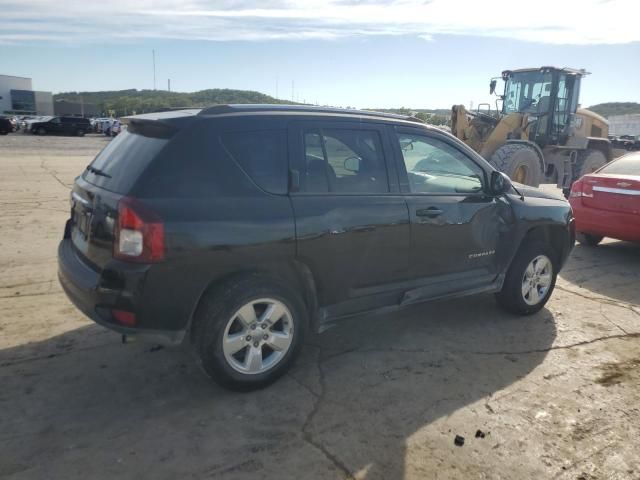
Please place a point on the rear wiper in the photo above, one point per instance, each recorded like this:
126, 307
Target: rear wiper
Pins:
97, 171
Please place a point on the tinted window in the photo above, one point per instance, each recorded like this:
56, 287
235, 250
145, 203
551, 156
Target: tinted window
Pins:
434, 166
262, 155
344, 161
627, 165
123, 160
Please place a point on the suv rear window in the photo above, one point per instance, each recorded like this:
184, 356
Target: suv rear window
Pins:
118, 166
262, 155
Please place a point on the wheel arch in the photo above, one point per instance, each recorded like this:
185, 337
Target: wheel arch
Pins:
601, 144
292, 274
551, 234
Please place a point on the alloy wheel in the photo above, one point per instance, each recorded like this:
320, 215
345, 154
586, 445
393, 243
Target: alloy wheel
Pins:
537, 279
258, 336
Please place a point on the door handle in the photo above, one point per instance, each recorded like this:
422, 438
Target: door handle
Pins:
429, 212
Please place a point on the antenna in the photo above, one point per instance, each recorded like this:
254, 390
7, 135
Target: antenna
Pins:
153, 53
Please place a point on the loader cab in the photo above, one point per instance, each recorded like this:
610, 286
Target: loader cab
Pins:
549, 96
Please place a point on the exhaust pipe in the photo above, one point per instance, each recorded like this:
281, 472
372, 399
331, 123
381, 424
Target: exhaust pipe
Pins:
128, 339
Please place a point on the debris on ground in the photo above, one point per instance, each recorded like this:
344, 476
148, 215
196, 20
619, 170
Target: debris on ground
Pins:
458, 441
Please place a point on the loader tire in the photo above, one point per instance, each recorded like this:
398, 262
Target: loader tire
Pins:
520, 162
588, 161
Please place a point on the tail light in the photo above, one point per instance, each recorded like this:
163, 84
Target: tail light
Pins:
139, 235
128, 319
576, 189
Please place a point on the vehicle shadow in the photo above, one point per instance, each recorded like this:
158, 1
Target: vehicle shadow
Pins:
80, 405
612, 269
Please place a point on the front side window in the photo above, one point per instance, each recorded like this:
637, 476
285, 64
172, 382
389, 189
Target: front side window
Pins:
436, 167
344, 161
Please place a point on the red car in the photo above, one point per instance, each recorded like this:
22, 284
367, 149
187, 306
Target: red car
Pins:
606, 203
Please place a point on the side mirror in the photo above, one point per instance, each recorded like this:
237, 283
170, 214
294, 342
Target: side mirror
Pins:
492, 86
500, 183
352, 164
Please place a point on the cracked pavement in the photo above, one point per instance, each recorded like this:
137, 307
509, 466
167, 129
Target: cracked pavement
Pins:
377, 397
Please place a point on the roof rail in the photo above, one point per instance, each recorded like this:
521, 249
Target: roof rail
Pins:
232, 108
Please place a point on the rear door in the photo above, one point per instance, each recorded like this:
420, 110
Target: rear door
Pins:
352, 225
455, 226
54, 125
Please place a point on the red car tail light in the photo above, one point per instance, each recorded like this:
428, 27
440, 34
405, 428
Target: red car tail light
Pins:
576, 189
139, 235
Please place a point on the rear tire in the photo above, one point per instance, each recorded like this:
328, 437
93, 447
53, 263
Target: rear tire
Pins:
519, 161
588, 239
80, 133
588, 161
224, 324
41, 131
530, 279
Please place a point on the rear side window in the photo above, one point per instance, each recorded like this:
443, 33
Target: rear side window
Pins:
627, 165
118, 166
262, 156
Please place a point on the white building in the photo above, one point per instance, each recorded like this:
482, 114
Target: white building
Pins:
624, 124
17, 96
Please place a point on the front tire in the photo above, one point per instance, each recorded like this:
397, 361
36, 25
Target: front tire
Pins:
41, 131
519, 161
247, 332
530, 279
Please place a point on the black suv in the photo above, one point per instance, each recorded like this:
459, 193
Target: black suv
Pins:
239, 229
62, 126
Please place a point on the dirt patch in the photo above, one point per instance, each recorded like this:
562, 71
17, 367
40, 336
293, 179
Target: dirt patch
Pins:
618, 372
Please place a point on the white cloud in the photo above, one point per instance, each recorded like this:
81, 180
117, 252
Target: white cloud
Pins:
544, 21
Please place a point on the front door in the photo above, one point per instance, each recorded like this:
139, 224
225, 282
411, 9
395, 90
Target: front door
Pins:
455, 226
352, 224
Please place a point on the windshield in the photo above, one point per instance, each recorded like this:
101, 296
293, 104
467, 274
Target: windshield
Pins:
528, 92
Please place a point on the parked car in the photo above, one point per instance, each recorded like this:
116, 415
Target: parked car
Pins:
238, 229
5, 126
61, 126
606, 203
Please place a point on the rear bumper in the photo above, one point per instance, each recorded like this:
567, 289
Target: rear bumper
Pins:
82, 284
619, 225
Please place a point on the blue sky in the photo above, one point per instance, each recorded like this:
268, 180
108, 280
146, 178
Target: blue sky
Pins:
362, 53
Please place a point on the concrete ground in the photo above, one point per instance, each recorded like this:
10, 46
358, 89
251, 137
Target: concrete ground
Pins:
555, 395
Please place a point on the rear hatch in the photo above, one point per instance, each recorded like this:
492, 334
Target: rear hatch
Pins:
110, 177
619, 193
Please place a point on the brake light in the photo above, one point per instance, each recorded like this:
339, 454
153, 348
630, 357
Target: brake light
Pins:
139, 235
128, 319
576, 189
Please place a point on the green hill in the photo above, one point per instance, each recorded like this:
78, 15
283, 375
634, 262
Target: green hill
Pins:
615, 108
125, 102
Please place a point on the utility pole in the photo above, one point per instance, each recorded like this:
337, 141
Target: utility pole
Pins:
168, 84
153, 53
276, 86
292, 89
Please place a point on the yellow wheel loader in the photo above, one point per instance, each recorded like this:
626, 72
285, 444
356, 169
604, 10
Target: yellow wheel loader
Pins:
539, 135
